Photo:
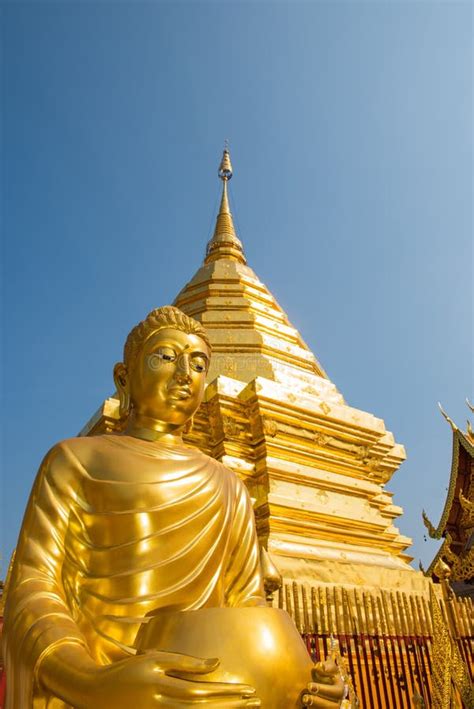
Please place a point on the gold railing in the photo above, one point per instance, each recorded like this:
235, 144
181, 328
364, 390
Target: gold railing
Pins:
384, 637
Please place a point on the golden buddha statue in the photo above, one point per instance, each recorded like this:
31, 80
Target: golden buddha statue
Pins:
121, 528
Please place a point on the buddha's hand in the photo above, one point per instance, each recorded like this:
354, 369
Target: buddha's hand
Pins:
327, 689
157, 680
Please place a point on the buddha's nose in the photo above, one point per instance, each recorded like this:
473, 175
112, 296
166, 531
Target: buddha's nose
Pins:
183, 370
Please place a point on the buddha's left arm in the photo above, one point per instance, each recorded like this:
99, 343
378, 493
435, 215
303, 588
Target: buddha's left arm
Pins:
243, 577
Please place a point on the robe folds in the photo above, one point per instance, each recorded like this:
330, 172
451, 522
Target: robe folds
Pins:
117, 527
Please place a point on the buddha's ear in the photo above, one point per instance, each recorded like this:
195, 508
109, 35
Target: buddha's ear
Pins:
122, 383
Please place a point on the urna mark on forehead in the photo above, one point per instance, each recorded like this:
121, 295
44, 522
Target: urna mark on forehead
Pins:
167, 317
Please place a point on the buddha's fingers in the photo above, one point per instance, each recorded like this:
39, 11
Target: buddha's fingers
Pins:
311, 700
213, 704
328, 691
325, 672
176, 662
326, 669
231, 704
189, 690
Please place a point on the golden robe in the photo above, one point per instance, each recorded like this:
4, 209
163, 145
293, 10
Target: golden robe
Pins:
117, 527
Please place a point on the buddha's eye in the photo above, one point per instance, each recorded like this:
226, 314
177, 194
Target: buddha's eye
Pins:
161, 357
166, 354
199, 364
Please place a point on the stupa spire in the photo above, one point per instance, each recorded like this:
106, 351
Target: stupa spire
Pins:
225, 244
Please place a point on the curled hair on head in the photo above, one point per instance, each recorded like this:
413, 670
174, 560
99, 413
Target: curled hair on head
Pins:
165, 317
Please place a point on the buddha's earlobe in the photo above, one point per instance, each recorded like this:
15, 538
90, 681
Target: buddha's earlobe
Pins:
123, 389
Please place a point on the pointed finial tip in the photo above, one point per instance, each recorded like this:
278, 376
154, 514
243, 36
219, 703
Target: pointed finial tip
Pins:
225, 168
448, 419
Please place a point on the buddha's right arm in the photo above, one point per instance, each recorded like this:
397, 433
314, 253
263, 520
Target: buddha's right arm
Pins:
43, 647
37, 617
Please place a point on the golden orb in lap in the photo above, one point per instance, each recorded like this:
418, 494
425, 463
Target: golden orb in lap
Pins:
257, 646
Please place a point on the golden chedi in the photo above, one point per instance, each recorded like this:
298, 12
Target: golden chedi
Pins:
317, 467
123, 527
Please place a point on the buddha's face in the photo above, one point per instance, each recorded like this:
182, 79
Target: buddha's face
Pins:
168, 376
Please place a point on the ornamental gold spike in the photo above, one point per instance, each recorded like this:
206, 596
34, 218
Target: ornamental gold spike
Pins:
225, 244
442, 570
225, 168
448, 419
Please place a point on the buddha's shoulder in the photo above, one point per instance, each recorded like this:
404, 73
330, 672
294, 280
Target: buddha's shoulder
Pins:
227, 473
79, 451
206, 462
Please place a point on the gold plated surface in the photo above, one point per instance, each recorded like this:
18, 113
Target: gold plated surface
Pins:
316, 466
451, 676
251, 644
120, 525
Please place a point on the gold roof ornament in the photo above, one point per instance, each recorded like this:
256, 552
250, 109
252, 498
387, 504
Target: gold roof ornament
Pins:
468, 506
469, 430
448, 418
442, 570
225, 243
429, 526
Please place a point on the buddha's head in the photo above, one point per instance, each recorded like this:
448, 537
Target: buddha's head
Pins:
162, 377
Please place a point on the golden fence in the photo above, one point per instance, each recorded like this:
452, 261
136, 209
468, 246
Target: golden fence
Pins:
384, 637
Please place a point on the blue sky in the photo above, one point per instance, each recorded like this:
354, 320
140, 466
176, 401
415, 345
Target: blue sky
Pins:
350, 126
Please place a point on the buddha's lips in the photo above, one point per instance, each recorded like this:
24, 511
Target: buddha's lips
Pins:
180, 392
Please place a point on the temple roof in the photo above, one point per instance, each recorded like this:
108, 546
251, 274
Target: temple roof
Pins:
458, 496
456, 523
